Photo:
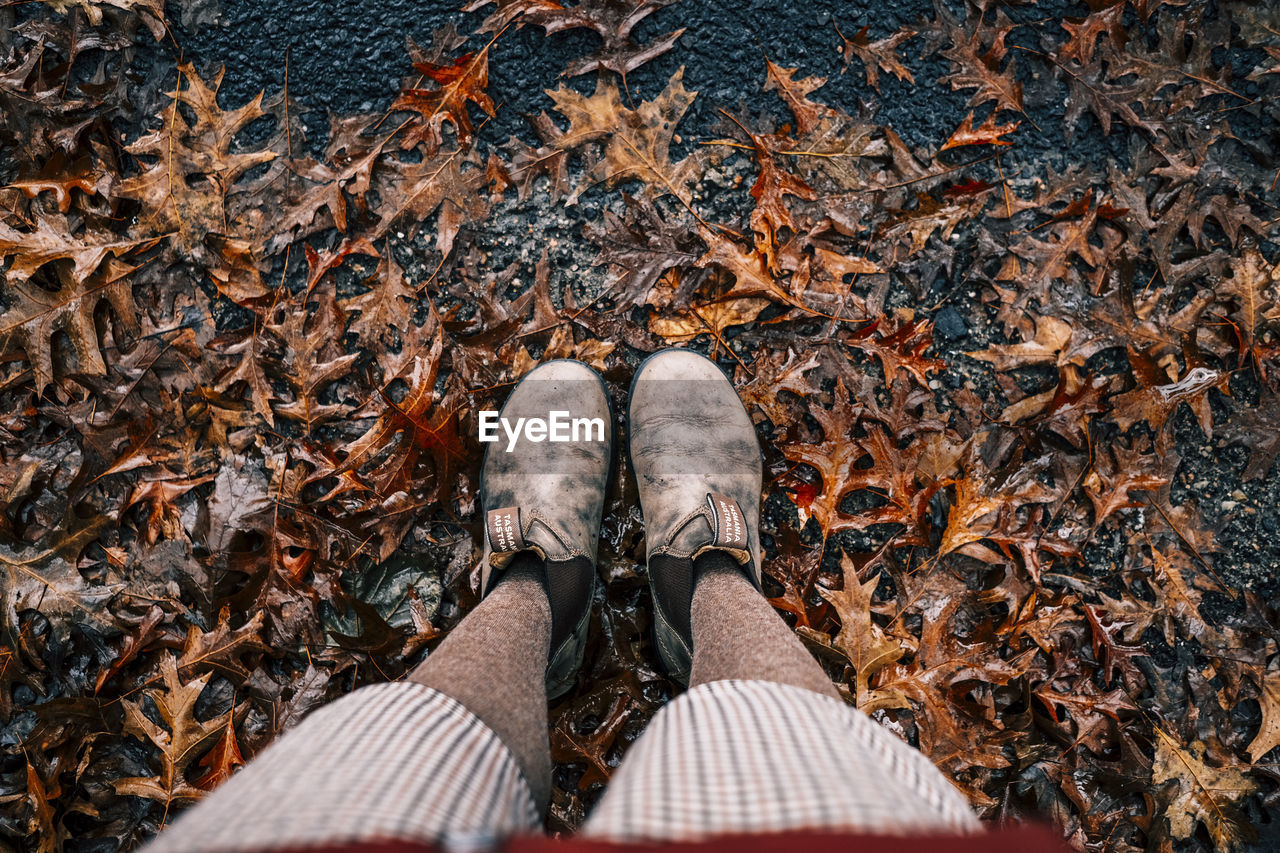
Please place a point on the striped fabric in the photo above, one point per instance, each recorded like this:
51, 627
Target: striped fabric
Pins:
392, 761
741, 757
402, 762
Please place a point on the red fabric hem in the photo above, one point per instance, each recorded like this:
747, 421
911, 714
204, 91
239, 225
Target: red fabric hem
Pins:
1028, 838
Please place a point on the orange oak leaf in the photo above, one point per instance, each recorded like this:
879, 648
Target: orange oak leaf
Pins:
860, 640
458, 84
877, 56
988, 133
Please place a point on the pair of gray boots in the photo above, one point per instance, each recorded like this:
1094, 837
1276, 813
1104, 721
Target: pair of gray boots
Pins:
697, 467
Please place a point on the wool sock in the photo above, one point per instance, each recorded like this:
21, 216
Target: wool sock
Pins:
737, 634
495, 662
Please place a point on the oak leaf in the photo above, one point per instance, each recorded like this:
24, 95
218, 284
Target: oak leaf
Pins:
776, 372
458, 84
221, 761
929, 216
979, 513
404, 431
1254, 286
640, 249
1095, 87
900, 344
44, 577
1053, 259
1115, 474
134, 642
771, 214
609, 711
613, 21
1085, 32
796, 570
1194, 792
1268, 736
637, 142
1180, 601
252, 347
976, 51
222, 649
1110, 647
507, 12
350, 160
712, 319
1091, 709
809, 115
860, 640
1258, 429
833, 458
988, 133
36, 312
452, 185
384, 310
1052, 338
1155, 403
749, 268
969, 507
314, 361
892, 478
955, 731
190, 168
527, 163
877, 56
179, 740
1067, 409
151, 12
60, 177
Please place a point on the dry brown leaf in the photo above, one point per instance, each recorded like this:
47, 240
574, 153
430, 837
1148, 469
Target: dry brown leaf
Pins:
877, 56
1198, 793
150, 11
988, 133
36, 313
458, 84
860, 640
1268, 736
1052, 339
637, 142
180, 740
713, 319
191, 165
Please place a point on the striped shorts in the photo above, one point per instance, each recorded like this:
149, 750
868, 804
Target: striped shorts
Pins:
405, 762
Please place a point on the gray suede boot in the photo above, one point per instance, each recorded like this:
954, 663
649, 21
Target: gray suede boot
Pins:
542, 487
699, 473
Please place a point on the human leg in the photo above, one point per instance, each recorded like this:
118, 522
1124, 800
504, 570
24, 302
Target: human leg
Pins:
737, 635
495, 663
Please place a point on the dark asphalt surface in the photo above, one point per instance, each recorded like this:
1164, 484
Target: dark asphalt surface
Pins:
348, 57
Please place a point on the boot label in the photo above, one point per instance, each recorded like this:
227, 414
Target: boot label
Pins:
504, 530
729, 523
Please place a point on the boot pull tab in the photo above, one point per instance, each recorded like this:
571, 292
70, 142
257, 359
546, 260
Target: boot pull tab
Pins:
506, 534
728, 522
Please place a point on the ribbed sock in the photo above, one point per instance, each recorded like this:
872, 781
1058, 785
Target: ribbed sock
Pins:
737, 634
495, 661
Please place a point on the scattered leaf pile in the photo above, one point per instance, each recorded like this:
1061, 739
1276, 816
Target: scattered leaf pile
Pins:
237, 446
